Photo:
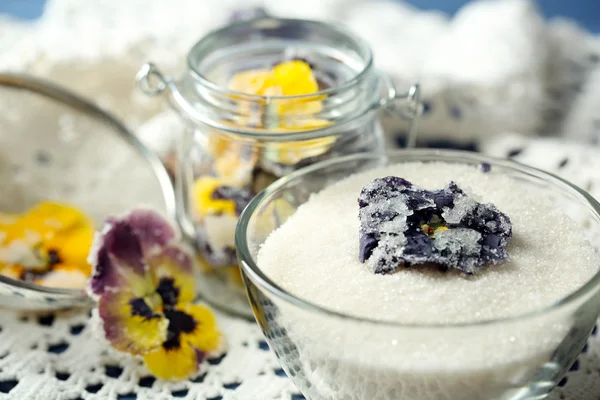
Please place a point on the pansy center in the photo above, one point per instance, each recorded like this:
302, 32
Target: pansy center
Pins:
435, 224
139, 307
168, 292
165, 297
179, 322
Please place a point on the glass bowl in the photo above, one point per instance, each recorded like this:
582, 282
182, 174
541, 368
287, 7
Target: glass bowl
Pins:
334, 355
55, 145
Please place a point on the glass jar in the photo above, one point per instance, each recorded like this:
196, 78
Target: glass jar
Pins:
237, 143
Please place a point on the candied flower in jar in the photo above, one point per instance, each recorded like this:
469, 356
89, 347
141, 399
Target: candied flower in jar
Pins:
217, 205
213, 196
289, 78
143, 281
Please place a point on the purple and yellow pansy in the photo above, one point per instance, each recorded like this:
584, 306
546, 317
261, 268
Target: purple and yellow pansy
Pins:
143, 281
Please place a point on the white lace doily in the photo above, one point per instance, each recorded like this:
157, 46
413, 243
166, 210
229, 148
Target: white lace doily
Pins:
57, 357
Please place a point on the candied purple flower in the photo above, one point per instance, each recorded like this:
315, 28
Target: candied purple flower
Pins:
138, 269
404, 225
144, 284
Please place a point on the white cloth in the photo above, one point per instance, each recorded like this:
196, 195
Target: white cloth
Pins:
496, 66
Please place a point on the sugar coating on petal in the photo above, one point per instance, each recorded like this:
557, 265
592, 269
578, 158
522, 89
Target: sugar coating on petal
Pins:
404, 225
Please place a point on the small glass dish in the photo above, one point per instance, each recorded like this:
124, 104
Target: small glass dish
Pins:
57, 146
329, 354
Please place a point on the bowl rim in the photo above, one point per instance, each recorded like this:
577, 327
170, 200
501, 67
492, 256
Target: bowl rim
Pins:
70, 99
250, 268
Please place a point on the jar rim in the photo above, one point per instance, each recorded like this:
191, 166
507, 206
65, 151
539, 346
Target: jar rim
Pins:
182, 105
196, 50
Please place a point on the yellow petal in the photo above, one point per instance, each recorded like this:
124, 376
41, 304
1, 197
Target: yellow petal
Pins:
177, 363
129, 333
295, 78
204, 204
11, 271
205, 336
252, 82
73, 246
304, 124
294, 109
47, 217
217, 145
6, 218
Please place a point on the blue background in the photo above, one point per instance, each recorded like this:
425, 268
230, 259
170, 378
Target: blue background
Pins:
586, 12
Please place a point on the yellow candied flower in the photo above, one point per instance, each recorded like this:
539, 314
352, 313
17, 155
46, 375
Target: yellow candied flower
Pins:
258, 82
289, 78
234, 162
145, 285
50, 236
295, 78
205, 204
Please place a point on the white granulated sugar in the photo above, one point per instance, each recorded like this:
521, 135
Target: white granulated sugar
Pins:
314, 255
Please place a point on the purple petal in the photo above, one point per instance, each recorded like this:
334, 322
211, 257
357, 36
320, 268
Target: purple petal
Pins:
119, 257
105, 274
181, 257
122, 242
151, 229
